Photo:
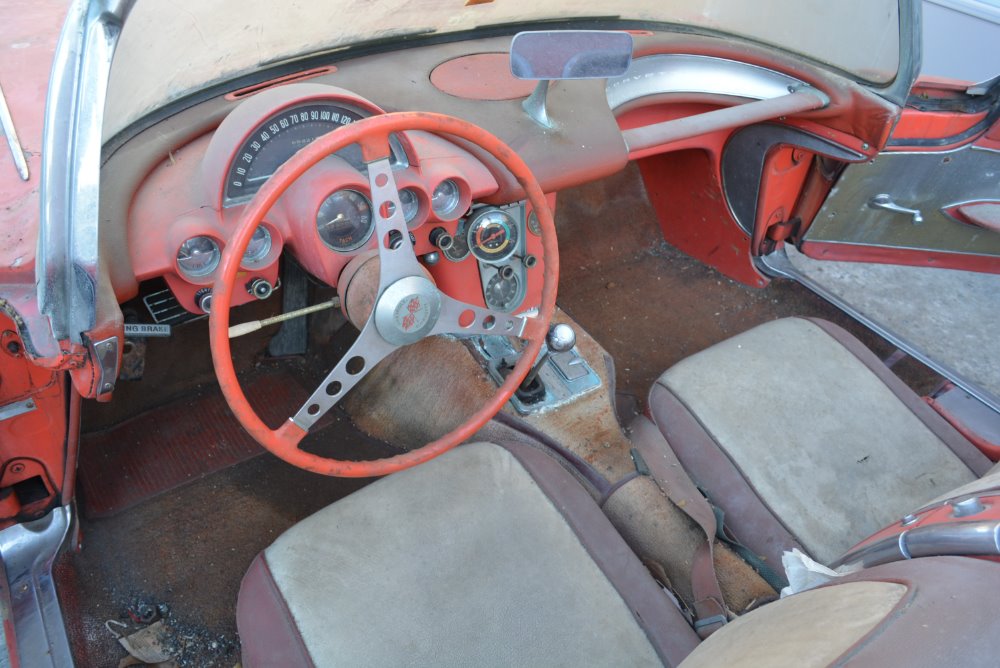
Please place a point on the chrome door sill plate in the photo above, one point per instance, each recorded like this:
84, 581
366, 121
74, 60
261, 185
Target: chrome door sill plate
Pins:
27, 552
567, 376
944, 318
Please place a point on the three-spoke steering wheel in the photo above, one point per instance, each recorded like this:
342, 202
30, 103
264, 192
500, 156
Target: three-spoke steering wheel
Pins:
408, 305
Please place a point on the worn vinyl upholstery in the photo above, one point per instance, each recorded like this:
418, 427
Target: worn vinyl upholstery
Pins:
924, 613
487, 555
805, 439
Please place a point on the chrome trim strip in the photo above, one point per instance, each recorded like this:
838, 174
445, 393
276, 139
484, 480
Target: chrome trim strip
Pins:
778, 264
67, 254
28, 551
981, 538
685, 73
12, 141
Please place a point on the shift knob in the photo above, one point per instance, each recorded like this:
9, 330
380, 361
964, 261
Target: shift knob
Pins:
560, 338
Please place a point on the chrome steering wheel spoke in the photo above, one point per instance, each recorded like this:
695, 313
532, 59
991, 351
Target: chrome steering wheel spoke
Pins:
396, 257
457, 317
368, 350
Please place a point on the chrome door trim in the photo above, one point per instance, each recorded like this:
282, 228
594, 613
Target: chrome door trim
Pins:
67, 253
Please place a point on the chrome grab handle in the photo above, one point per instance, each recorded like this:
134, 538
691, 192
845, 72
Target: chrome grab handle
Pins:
884, 201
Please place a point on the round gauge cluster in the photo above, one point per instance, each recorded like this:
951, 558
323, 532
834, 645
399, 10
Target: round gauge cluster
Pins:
344, 220
445, 200
492, 235
503, 290
199, 256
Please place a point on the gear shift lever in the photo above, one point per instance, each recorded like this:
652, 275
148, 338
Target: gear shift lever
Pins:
560, 339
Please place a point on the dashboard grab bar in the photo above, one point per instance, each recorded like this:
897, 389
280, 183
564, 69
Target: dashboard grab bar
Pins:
659, 134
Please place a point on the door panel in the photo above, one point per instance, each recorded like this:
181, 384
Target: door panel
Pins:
907, 202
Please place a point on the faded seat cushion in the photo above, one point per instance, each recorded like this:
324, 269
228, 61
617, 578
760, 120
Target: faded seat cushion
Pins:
935, 611
487, 555
804, 438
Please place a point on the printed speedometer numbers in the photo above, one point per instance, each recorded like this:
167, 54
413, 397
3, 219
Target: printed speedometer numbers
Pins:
277, 139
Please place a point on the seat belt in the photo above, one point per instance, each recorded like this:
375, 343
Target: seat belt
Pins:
661, 464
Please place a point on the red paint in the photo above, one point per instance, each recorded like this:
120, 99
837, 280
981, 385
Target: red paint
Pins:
685, 190
289, 78
372, 134
33, 443
28, 37
940, 514
914, 124
156, 231
987, 447
480, 76
981, 213
784, 175
824, 250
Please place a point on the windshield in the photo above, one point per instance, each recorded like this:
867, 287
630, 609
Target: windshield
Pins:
171, 49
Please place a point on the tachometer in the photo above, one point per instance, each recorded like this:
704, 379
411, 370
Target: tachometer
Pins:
492, 235
278, 138
344, 220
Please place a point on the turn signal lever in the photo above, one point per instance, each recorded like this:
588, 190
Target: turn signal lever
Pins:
561, 338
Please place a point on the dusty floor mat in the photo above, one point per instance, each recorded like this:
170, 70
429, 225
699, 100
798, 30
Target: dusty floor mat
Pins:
651, 305
189, 551
184, 440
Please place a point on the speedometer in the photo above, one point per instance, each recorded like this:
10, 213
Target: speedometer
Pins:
278, 138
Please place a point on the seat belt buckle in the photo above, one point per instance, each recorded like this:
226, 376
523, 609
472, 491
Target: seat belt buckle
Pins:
709, 625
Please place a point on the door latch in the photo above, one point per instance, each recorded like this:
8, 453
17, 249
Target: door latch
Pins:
884, 201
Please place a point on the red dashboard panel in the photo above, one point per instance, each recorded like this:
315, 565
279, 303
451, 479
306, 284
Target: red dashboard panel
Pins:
201, 190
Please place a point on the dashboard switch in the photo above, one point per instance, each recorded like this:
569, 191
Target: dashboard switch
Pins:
440, 238
260, 288
203, 299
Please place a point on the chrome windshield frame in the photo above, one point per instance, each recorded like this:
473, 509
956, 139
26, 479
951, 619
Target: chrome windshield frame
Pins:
67, 258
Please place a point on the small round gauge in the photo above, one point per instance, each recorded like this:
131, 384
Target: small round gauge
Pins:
459, 249
258, 248
534, 226
492, 235
198, 256
411, 205
445, 199
503, 294
344, 220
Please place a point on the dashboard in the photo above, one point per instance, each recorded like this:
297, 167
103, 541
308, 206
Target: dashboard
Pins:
486, 254
173, 187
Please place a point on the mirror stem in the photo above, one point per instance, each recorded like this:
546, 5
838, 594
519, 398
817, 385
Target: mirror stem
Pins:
534, 105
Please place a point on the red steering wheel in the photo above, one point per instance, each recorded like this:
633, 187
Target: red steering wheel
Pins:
408, 306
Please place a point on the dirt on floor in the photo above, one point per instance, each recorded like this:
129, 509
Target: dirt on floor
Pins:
188, 550
651, 305
647, 303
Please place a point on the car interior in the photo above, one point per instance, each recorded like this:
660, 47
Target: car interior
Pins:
521, 343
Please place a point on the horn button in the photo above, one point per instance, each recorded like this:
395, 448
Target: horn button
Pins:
407, 310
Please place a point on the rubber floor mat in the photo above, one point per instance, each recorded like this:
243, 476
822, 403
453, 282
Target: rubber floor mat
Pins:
174, 444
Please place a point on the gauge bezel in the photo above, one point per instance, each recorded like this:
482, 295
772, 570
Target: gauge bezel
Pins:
371, 220
423, 205
519, 279
204, 275
265, 258
456, 210
513, 230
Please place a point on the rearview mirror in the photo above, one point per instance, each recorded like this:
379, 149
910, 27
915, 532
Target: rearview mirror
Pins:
570, 54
